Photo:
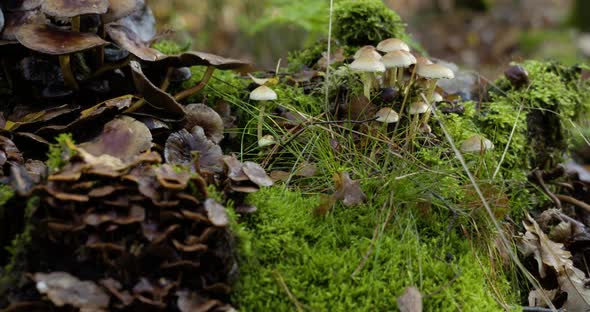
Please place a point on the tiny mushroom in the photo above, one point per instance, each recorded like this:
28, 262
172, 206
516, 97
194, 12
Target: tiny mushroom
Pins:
436, 97
476, 144
368, 49
368, 63
262, 94
393, 61
415, 110
433, 72
386, 115
54, 41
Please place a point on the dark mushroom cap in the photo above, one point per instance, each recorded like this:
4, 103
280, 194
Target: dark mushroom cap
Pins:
119, 9
14, 20
22, 5
197, 58
55, 41
71, 8
207, 118
128, 40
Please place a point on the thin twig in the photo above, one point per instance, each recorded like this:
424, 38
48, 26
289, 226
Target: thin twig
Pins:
509, 141
285, 288
539, 176
327, 78
573, 201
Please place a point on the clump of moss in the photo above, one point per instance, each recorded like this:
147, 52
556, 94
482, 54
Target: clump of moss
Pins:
363, 22
60, 152
170, 47
313, 263
307, 57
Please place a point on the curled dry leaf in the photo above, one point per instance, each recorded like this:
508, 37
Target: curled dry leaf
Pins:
410, 300
348, 190
536, 298
62, 288
546, 252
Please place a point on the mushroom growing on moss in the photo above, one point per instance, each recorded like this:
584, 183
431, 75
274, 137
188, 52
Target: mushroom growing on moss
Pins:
368, 63
393, 61
386, 115
262, 94
54, 41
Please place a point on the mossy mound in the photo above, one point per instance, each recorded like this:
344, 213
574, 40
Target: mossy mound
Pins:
317, 263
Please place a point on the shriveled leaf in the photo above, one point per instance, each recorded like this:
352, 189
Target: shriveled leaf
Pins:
410, 300
348, 190
546, 252
573, 282
536, 298
62, 288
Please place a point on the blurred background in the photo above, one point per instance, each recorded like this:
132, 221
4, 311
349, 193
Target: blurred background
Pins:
484, 35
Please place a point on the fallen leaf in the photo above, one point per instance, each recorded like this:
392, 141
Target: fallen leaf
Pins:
348, 190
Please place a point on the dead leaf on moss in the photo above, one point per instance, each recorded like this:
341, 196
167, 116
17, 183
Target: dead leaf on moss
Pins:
536, 298
348, 190
62, 288
410, 300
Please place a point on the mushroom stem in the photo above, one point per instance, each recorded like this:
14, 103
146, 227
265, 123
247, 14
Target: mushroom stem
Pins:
407, 91
75, 23
66, 70
430, 100
198, 87
393, 77
367, 84
400, 74
166, 83
260, 120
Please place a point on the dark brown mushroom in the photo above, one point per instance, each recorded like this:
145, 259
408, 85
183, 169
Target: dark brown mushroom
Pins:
69, 8
123, 138
119, 9
205, 117
14, 20
130, 41
22, 5
181, 145
256, 174
216, 212
54, 41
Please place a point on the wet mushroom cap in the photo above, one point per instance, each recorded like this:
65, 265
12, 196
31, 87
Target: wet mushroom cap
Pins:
54, 41
263, 93
69, 8
119, 9
14, 20
418, 108
368, 63
392, 44
398, 58
22, 5
366, 50
387, 115
434, 71
476, 144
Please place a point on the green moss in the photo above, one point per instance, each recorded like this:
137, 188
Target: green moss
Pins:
60, 152
366, 22
314, 259
12, 272
171, 47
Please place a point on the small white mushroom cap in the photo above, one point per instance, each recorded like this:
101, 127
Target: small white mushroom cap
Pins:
263, 93
266, 140
418, 108
476, 144
436, 97
368, 62
434, 71
387, 115
392, 44
398, 58
366, 50
423, 60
